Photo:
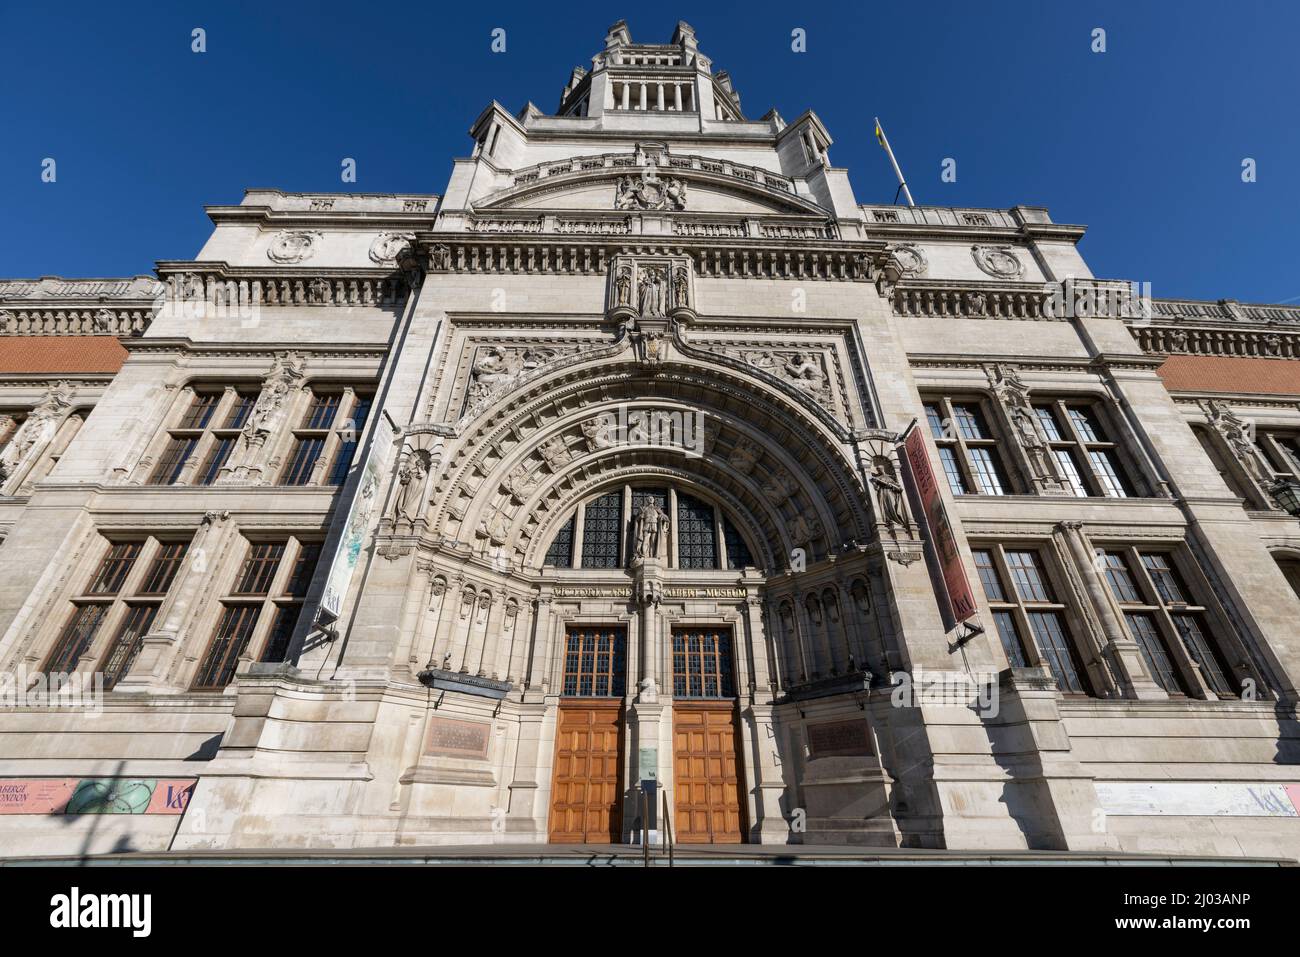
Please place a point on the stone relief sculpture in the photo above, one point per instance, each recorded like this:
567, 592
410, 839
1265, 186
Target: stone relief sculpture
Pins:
554, 452
496, 369
743, 457
681, 288
388, 246
805, 528
520, 482
1237, 433
649, 192
1013, 396
293, 246
37, 429
286, 373
649, 531
1001, 262
779, 486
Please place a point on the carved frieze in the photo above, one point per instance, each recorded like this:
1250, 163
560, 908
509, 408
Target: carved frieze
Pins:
496, 369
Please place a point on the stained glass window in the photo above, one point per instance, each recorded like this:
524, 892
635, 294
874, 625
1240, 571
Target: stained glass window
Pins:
560, 554
602, 532
697, 545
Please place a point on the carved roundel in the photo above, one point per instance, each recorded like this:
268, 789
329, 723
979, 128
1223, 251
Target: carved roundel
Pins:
911, 258
386, 247
1000, 262
293, 246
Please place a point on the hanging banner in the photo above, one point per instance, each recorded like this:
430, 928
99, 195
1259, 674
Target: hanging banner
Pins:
361, 517
960, 602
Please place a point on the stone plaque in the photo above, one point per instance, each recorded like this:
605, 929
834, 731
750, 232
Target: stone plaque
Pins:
839, 738
457, 739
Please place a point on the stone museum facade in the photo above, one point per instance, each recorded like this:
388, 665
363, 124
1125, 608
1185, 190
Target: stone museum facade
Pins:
644, 452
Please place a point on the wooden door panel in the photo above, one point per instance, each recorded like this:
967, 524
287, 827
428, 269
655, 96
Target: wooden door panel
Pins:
705, 774
586, 804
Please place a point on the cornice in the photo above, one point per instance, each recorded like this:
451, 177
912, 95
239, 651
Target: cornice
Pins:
180, 345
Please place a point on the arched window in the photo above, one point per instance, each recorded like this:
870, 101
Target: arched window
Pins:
603, 532
598, 534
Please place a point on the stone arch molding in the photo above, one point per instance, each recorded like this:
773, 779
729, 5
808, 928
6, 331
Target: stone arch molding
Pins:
515, 470
764, 197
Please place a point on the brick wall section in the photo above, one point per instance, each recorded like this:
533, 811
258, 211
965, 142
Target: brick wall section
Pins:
1231, 374
55, 354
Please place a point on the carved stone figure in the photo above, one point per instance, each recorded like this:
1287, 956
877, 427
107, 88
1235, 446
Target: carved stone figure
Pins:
554, 452
889, 493
805, 528
39, 426
805, 372
286, 372
681, 288
1237, 433
598, 431
409, 503
743, 457
649, 530
623, 286
650, 297
520, 482
440, 257
779, 486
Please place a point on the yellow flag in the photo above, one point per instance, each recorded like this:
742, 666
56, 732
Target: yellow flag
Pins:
880, 135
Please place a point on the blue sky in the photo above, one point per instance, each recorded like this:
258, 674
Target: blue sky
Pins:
1142, 143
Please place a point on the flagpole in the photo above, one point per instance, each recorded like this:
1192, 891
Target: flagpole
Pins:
884, 141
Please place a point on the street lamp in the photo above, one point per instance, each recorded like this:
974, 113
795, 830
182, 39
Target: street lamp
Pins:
1287, 493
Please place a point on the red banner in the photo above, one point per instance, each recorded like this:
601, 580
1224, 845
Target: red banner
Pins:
961, 602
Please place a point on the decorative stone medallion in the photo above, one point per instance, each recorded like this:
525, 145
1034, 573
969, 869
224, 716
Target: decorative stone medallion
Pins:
293, 246
1001, 262
911, 258
388, 246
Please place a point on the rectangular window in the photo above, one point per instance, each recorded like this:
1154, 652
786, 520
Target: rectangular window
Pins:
1143, 628
1070, 471
988, 575
1027, 576
1172, 631
259, 568
967, 447
126, 645
199, 414
1049, 633
595, 663
76, 639
1107, 471
230, 641
114, 568
303, 460
277, 643
218, 453
1121, 582
320, 415
166, 563
173, 460
956, 480
1031, 624
1010, 637
304, 568
702, 664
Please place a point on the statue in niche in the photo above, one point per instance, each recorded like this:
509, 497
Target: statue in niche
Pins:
409, 503
623, 286
889, 493
650, 297
649, 531
681, 287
